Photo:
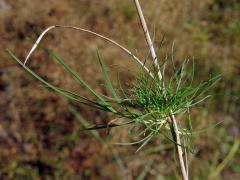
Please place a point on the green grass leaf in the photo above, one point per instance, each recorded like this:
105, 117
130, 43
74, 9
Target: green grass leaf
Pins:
106, 77
65, 93
52, 54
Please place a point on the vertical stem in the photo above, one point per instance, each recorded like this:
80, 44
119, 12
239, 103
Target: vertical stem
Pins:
186, 157
179, 147
154, 57
148, 38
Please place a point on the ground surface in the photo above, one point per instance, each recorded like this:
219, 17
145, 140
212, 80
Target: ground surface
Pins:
41, 138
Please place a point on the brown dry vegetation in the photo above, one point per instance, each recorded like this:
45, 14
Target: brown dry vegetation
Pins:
40, 137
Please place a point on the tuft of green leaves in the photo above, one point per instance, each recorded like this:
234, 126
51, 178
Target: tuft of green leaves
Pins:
147, 103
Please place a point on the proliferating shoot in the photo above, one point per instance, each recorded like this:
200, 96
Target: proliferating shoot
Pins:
152, 101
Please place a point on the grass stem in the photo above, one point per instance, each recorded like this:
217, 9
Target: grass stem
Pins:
179, 147
89, 32
148, 38
154, 57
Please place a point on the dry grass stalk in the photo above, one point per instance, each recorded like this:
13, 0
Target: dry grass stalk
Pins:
172, 117
89, 32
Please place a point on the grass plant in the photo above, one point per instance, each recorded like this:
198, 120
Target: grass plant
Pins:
151, 102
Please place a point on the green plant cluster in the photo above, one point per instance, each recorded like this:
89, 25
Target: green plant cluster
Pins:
148, 102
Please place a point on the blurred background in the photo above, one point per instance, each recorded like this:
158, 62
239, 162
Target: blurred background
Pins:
41, 134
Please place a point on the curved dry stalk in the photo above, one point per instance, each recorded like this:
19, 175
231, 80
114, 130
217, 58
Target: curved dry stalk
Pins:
90, 32
172, 117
